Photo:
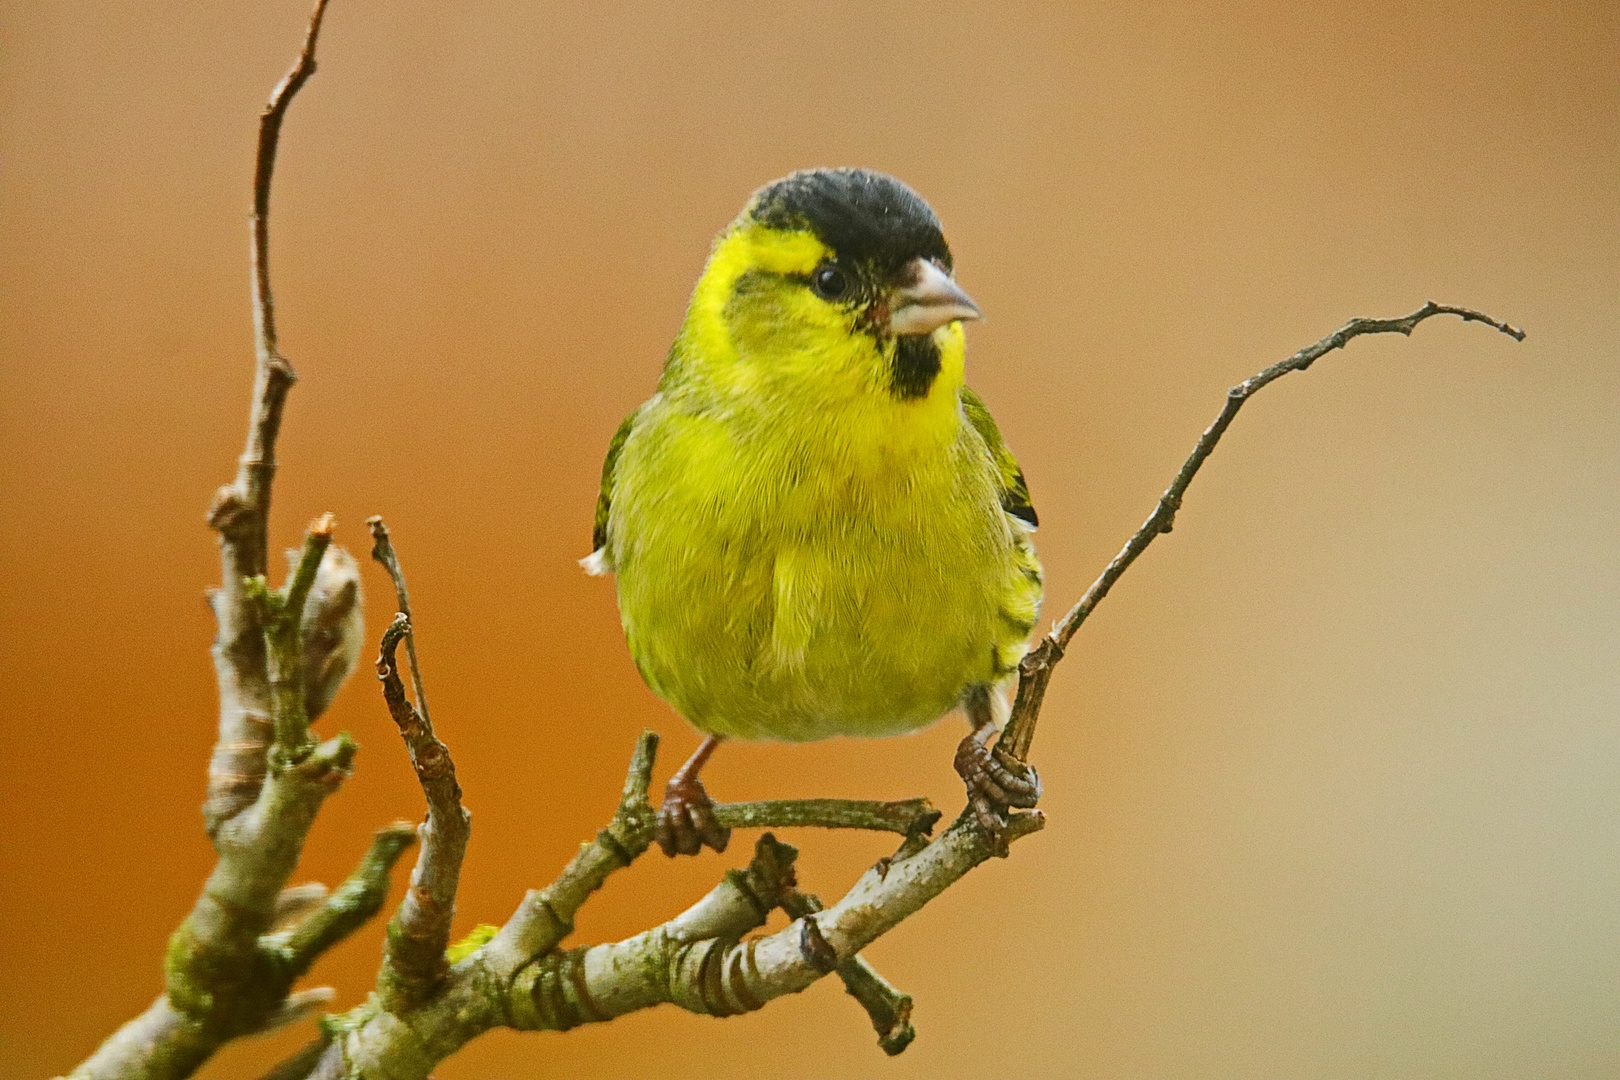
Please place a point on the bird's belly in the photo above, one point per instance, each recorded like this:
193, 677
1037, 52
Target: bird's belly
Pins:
842, 623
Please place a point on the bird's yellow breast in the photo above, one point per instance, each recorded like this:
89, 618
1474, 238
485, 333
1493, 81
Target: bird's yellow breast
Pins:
799, 552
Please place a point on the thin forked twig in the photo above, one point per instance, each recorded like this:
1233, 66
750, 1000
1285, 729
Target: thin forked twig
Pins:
1036, 667
413, 960
382, 551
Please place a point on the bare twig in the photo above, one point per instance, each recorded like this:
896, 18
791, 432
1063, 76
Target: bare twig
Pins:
546, 916
295, 902
1036, 669
382, 551
299, 1006
888, 1009
241, 509
905, 816
413, 961
346, 908
281, 614
264, 308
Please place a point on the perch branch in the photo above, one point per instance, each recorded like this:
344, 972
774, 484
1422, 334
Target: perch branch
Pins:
413, 961
904, 817
696, 960
240, 512
1036, 669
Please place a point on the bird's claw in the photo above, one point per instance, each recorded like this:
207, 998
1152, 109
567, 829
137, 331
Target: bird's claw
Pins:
686, 819
996, 783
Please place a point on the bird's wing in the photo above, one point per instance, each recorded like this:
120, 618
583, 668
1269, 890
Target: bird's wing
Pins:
1014, 492
597, 562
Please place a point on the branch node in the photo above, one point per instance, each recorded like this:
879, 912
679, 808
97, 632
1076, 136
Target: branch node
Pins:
814, 948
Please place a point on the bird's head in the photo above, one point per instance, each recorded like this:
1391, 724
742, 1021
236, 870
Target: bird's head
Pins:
831, 284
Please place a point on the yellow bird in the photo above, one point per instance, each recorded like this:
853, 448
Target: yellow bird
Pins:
815, 526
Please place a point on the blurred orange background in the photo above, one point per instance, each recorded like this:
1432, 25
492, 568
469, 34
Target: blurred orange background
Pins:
1332, 777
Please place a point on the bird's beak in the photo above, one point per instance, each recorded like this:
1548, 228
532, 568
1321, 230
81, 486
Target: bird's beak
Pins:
927, 300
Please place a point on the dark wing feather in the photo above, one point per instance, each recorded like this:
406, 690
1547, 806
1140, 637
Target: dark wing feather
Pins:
604, 500
1014, 492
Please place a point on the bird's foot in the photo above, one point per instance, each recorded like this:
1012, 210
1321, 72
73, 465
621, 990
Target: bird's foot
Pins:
996, 783
686, 820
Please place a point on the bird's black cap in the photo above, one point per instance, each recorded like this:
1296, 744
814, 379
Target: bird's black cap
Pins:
862, 215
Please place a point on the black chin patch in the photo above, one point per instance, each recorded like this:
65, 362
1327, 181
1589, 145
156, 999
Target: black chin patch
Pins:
916, 366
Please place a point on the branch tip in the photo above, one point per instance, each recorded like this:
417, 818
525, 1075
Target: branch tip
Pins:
638, 779
382, 552
1036, 669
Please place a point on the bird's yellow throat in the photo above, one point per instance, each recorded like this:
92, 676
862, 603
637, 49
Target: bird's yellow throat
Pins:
826, 374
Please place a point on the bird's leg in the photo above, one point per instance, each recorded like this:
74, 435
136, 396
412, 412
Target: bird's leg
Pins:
686, 819
995, 779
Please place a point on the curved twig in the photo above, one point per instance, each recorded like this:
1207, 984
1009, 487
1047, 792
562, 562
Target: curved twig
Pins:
1036, 668
240, 512
382, 552
414, 961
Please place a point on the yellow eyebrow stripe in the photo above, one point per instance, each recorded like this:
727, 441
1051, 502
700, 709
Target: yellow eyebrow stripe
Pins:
755, 247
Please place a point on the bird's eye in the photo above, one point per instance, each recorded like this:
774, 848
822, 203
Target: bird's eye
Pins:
829, 281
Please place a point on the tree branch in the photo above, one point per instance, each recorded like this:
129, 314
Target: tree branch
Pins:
382, 551
241, 509
888, 1009
229, 970
697, 960
413, 961
1036, 669
226, 973
354, 902
546, 916
905, 816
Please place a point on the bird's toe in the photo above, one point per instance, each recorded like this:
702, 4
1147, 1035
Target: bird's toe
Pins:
996, 783
686, 820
